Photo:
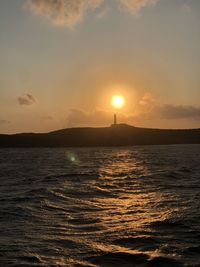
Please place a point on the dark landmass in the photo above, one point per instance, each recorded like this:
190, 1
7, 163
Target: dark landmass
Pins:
116, 135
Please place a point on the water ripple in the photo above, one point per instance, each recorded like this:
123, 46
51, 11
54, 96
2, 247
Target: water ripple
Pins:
133, 206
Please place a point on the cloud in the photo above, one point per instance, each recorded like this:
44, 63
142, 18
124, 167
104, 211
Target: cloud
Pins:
186, 8
103, 13
147, 99
148, 107
63, 12
77, 117
134, 6
26, 99
69, 12
4, 121
177, 112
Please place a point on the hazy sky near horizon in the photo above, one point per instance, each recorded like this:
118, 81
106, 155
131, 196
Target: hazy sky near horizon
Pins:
62, 60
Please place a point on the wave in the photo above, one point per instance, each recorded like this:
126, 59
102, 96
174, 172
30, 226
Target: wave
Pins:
118, 207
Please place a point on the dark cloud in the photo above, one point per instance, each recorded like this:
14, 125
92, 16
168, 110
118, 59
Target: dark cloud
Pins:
177, 112
26, 99
149, 108
69, 12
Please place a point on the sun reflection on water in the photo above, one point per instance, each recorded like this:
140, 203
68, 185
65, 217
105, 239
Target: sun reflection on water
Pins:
133, 201
105, 202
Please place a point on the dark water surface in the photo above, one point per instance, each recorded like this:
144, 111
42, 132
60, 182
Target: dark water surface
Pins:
133, 206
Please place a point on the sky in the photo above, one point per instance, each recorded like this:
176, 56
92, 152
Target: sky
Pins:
63, 60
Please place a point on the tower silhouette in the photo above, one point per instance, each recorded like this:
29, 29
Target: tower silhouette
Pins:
115, 119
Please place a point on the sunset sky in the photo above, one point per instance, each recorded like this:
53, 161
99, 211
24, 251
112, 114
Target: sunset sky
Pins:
63, 60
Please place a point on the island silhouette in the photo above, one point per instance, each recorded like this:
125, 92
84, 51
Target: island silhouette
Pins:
115, 135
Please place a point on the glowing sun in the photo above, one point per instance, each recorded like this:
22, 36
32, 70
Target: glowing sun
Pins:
117, 101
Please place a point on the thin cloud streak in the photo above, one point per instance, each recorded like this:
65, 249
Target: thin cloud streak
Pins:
134, 6
79, 117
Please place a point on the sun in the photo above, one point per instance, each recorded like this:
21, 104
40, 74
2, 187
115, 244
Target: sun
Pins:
117, 101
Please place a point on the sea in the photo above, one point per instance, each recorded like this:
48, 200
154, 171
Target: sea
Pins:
115, 206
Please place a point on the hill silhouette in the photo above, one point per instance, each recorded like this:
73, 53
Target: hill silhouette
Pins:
116, 135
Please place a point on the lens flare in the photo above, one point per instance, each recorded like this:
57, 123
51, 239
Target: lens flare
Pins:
72, 158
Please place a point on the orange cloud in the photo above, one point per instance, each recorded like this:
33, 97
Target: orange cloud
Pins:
147, 99
69, 12
63, 12
77, 117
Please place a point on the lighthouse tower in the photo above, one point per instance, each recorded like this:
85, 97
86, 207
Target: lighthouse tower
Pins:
115, 119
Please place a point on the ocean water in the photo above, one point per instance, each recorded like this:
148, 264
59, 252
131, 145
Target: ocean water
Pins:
127, 206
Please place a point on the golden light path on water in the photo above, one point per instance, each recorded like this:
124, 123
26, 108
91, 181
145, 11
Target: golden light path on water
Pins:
121, 203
